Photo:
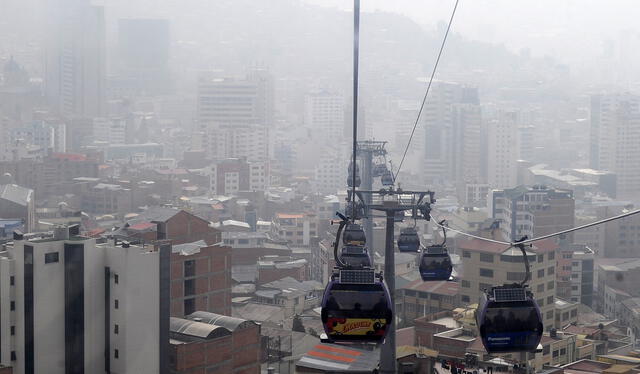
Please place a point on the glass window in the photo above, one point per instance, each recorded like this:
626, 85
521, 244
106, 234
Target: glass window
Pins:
366, 299
486, 272
555, 353
546, 349
485, 257
466, 254
552, 255
51, 257
466, 283
115, 278
189, 306
550, 300
541, 273
12, 305
116, 354
551, 270
12, 280
190, 268
243, 241
518, 318
13, 330
116, 304
540, 258
550, 285
540, 288
550, 314
189, 287
563, 351
116, 328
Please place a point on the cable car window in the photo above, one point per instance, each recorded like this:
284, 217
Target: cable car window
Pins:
435, 263
513, 319
367, 298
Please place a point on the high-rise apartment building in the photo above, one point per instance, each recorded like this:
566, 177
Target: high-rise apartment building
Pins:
502, 169
231, 102
70, 305
532, 211
75, 58
324, 115
487, 264
229, 176
615, 135
452, 119
237, 141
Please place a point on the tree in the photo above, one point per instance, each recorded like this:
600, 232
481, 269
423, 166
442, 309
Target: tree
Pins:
297, 324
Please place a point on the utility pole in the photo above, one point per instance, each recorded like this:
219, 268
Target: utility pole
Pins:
390, 202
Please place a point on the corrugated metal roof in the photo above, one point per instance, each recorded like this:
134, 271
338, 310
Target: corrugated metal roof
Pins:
230, 323
197, 329
334, 357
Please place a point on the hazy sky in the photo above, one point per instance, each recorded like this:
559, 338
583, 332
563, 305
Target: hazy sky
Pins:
570, 30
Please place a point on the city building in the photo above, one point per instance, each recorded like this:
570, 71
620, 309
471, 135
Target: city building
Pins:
214, 343
330, 173
295, 228
615, 135
452, 119
110, 130
418, 299
532, 211
485, 264
143, 51
75, 58
621, 238
229, 176
502, 169
272, 268
324, 115
91, 307
248, 141
575, 273
617, 279
233, 102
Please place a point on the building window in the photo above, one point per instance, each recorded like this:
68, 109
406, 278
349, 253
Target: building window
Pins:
552, 255
550, 285
466, 254
190, 268
484, 286
465, 298
550, 300
51, 257
486, 273
563, 351
189, 287
540, 258
466, 284
116, 354
189, 306
540, 288
515, 276
550, 314
485, 257
541, 273
12, 305
546, 349
551, 270
555, 353
116, 304
116, 328
12, 280
13, 356
13, 330
115, 278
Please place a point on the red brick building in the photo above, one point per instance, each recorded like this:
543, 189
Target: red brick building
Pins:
272, 268
213, 343
200, 265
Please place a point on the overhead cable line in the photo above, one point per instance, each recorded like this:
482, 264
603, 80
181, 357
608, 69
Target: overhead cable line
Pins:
424, 99
356, 55
527, 241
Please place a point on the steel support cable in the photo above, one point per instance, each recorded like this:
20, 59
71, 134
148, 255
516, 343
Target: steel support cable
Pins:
528, 241
424, 99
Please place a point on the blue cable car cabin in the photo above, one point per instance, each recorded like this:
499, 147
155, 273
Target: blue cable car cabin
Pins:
509, 320
408, 241
387, 179
356, 306
435, 263
355, 256
354, 235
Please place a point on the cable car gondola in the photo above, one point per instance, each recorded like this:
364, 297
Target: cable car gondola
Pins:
350, 180
354, 235
355, 256
509, 320
379, 170
356, 307
509, 317
408, 241
435, 263
387, 179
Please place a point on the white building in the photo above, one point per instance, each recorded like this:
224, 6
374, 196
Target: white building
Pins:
240, 141
615, 135
69, 305
330, 174
324, 115
502, 170
110, 130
